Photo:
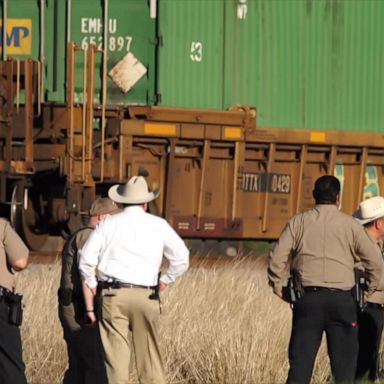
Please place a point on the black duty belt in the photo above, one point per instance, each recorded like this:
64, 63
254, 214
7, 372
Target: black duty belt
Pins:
324, 289
374, 305
119, 284
4, 291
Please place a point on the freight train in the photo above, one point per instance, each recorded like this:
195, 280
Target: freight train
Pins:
232, 107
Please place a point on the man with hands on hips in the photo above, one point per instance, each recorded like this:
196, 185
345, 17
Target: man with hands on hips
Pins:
125, 252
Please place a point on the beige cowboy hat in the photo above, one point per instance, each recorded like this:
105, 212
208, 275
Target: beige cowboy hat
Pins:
370, 210
135, 191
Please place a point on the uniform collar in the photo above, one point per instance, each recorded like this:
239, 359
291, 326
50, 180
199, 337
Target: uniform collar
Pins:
134, 209
326, 206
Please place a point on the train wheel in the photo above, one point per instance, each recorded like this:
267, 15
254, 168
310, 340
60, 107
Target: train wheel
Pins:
25, 217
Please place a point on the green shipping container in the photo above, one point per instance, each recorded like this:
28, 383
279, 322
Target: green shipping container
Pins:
313, 64
22, 29
130, 30
191, 56
302, 63
40, 30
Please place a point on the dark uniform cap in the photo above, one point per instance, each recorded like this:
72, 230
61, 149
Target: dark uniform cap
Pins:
103, 206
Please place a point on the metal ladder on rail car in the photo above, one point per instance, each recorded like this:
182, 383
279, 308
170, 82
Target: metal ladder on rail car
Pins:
18, 77
80, 141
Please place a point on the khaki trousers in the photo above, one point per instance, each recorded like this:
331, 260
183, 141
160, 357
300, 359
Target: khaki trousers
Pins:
124, 310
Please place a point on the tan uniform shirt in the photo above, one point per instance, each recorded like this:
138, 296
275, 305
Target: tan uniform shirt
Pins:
72, 315
12, 248
322, 245
378, 296
70, 277
81, 238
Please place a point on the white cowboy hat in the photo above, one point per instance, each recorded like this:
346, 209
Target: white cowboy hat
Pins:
135, 191
370, 210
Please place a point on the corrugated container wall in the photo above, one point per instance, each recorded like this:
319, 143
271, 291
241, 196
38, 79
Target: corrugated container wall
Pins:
191, 56
302, 63
22, 29
314, 64
130, 30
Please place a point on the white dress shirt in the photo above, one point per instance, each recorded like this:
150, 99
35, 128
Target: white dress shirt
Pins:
129, 247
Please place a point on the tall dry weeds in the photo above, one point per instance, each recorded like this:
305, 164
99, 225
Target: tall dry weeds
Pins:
220, 325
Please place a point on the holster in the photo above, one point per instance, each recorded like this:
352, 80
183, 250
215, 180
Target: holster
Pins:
155, 293
359, 288
65, 296
294, 290
14, 301
156, 290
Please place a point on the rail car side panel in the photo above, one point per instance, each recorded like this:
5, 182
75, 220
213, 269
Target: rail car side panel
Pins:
249, 189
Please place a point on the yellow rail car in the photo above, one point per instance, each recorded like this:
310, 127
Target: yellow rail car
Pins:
221, 175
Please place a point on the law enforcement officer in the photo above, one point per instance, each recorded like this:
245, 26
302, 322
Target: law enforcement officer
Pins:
321, 246
13, 258
85, 358
371, 319
126, 250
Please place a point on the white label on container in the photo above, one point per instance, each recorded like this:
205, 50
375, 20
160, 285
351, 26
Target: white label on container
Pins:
92, 28
196, 54
127, 72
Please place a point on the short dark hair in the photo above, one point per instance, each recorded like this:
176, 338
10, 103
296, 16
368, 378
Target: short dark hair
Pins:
370, 224
326, 189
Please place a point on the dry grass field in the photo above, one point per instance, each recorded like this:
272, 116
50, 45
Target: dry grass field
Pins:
220, 324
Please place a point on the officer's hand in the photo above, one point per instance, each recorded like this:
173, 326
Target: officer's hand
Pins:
90, 318
162, 286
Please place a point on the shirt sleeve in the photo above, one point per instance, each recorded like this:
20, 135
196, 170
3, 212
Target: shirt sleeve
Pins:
371, 259
14, 247
279, 258
89, 256
177, 254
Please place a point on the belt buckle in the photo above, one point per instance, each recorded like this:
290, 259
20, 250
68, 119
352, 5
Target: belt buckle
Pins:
108, 292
